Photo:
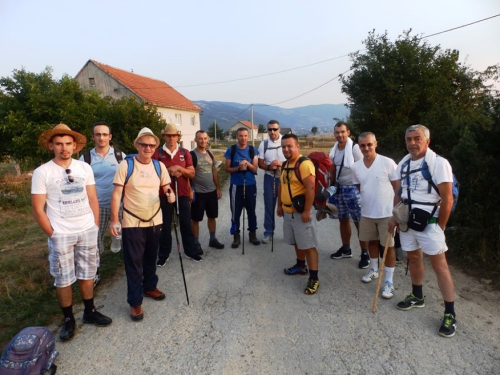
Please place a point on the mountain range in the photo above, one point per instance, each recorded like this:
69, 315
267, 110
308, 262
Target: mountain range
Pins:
299, 119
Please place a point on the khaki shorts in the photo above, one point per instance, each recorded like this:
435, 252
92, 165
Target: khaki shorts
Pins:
432, 240
375, 229
299, 233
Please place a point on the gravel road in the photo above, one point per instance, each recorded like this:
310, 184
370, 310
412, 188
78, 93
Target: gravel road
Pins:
247, 317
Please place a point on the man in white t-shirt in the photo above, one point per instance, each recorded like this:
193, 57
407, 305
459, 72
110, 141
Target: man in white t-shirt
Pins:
425, 185
270, 160
376, 176
71, 222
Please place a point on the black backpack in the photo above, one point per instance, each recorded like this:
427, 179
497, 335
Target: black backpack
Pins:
31, 351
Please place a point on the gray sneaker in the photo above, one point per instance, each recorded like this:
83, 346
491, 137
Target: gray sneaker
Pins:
266, 239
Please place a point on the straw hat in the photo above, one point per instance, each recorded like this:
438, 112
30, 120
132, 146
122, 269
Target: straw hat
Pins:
62, 129
146, 131
171, 129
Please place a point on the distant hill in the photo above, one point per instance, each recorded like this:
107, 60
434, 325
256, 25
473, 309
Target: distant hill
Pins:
300, 119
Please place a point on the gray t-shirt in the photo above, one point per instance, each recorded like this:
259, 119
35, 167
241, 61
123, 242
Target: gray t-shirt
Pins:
203, 181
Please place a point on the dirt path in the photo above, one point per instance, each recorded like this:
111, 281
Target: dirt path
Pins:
247, 317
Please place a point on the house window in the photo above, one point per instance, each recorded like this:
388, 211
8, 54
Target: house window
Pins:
92, 82
192, 120
178, 119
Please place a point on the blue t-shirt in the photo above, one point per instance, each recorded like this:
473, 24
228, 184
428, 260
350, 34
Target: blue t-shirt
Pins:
240, 155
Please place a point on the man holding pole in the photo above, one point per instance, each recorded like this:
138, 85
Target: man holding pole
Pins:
241, 163
425, 188
142, 219
299, 228
270, 160
376, 177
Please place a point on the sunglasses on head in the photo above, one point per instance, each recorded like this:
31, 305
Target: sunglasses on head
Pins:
71, 179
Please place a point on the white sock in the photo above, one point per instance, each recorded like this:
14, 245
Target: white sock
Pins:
374, 264
389, 273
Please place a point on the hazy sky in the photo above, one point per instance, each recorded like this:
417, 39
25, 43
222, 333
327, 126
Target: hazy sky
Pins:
196, 42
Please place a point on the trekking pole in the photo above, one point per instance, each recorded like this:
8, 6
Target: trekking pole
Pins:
381, 272
274, 204
176, 220
244, 201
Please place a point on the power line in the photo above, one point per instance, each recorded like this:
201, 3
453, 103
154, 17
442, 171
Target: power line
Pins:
459, 27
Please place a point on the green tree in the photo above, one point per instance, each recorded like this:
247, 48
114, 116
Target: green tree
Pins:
262, 129
214, 128
314, 130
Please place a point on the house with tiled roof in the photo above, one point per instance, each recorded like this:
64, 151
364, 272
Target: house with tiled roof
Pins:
174, 107
253, 130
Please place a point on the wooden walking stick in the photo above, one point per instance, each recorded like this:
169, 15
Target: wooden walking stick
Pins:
381, 273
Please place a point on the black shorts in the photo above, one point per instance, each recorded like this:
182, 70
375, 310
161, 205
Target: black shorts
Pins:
205, 202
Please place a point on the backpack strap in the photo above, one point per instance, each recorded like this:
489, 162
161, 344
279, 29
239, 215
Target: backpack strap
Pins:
86, 157
195, 158
266, 145
118, 155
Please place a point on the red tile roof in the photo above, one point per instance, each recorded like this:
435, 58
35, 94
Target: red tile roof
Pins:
248, 124
152, 91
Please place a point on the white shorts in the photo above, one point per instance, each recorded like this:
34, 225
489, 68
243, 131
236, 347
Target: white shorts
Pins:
297, 232
432, 240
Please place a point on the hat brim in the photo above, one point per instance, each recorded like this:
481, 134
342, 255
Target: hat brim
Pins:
45, 138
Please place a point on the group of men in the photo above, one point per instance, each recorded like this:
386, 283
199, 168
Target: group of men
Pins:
140, 197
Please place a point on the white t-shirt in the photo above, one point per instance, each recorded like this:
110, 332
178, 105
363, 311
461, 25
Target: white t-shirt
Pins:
68, 205
419, 187
274, 152
377, 193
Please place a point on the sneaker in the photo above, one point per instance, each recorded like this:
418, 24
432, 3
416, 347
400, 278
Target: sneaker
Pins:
97, 278
371, 275
342, 253
96, 318
68, 330
136, 313
216, 244
449, 326
388, 291
199, 250
266, 239
312, 286
411, 301
365, 260
162, 261
194, 257
296, 270
156, 294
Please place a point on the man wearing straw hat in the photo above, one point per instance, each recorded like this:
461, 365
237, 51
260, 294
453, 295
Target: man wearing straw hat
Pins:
179, 164
71, 222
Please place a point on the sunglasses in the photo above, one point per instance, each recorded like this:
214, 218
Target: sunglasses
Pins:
146, 145
272, 129
71, 179
104, 135
365, 145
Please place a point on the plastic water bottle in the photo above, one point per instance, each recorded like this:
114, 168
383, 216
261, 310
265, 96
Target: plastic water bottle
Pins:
116, 242
332, 190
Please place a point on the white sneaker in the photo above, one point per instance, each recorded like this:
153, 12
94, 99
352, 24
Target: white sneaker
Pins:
266, 239
371, 275
388, 291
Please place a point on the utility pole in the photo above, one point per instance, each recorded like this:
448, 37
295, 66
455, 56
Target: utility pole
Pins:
251, 114
215, 130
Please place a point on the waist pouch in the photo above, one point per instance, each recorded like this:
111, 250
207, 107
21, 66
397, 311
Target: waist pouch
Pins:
298, 202
419, 219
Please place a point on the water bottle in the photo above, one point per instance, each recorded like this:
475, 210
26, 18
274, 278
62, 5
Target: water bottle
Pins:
323, 195
332, 190
116, 242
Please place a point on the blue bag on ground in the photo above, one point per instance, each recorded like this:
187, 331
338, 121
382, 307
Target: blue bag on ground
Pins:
31, 351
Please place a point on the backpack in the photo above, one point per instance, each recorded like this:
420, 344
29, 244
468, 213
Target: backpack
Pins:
426, 174
118, 156
195, 158
322, 164
31, 351
233, 152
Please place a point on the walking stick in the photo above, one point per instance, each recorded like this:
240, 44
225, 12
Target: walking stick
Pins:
176, 220
274, 204
380, 273
244, 201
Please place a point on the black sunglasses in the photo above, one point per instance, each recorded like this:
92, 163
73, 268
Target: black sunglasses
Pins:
272, 129
70, 177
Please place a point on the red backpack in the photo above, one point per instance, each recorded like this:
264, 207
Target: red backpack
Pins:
322, 164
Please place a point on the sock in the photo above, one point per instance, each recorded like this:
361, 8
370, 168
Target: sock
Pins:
89, 305
196, 242
346, 247
364, 251
417, 291
68, 312
449, 308
313, 275
389, 273
301, 263
212, 235
374, 263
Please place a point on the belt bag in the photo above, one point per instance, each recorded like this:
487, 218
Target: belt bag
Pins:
419, 219
298, 202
